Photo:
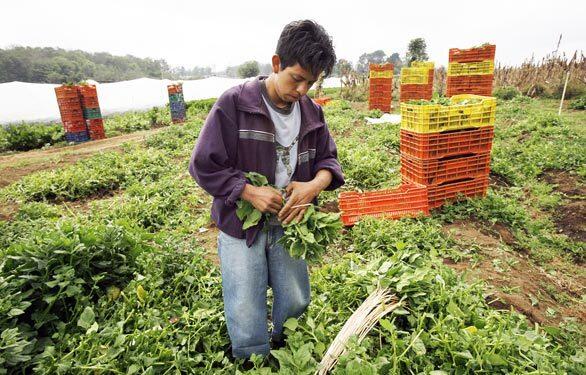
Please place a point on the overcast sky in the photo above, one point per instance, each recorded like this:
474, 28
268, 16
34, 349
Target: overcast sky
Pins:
220, 33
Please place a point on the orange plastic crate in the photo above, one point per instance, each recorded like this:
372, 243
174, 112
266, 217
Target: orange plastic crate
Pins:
415, 92
74, 126
438, 171
452, 191
472, 54
381, 86
408, 200
474, 84
322, 101
66, 92
450, 143
175, 89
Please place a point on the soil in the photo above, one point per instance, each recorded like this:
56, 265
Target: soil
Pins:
570, 217
514, 281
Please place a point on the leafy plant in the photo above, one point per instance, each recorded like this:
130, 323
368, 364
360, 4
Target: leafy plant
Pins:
308, 238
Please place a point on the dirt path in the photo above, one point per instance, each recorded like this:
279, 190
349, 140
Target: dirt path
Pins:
15, 166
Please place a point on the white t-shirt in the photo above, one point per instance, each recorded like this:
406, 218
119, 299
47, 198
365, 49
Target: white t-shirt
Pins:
287, 124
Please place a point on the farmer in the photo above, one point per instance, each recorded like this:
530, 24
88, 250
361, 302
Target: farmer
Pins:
270, 126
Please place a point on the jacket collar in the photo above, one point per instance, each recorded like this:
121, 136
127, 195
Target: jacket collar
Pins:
250, 100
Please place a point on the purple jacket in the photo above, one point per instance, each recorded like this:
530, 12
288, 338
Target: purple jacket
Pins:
238, 137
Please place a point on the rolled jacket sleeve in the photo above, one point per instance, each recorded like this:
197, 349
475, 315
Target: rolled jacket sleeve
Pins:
213, 161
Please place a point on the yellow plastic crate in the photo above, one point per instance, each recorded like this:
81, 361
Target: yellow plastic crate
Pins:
412, 75
435, 118
423, 64
471, 68
385, 74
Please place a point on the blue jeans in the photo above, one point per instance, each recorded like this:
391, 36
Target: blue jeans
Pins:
246, 275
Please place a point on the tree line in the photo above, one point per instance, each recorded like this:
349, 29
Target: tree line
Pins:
56, 65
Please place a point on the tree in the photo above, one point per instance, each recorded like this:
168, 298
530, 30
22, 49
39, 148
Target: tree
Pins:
248, 69
376, 57
395, 59
416, 51
342, 68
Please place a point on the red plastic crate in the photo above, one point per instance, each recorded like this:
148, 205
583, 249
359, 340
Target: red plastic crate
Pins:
380, 81
175, 89
474, 84
472, 54
451, 143
381, 86
408, 200
381, 67
74, 126
452, 191
66, 92
438, 171
415, 92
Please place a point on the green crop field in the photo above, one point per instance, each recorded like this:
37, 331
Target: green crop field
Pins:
108, 262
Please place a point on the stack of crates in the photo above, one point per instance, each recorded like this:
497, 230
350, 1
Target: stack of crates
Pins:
471, 71
381, 87
417, 81
176, 103
447, 147
92, 115
71, 114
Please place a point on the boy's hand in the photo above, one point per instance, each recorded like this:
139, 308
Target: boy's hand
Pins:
299, 193
263, 198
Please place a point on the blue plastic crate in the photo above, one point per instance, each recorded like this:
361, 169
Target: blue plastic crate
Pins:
77, 136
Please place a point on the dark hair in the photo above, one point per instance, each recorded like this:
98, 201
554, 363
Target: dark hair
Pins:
307, 43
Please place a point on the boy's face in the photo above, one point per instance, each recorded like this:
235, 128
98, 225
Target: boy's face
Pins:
292, 82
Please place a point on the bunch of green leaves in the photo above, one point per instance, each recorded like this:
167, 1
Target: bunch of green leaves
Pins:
246, 212
309, 237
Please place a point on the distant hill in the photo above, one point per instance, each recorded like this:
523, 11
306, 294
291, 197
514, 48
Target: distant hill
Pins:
56, 65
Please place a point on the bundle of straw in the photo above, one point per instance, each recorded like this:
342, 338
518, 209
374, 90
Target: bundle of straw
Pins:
377, 305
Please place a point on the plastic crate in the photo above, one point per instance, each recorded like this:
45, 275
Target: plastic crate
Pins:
423, 64
470, 68
381, 71
92, 113
485, 52
66, 92
436, 118
322, 101
440, 145
90, 102
408, 200
77, 137
452, 191
387, 86
74, 126
415, 92
421, 76
451, 168
69, 103
175, 89
176, 98
469, 90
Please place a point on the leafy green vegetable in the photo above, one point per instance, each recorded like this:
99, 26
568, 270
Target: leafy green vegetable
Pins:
308, 238
246, 212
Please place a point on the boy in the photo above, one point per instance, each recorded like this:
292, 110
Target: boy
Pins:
269, 126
